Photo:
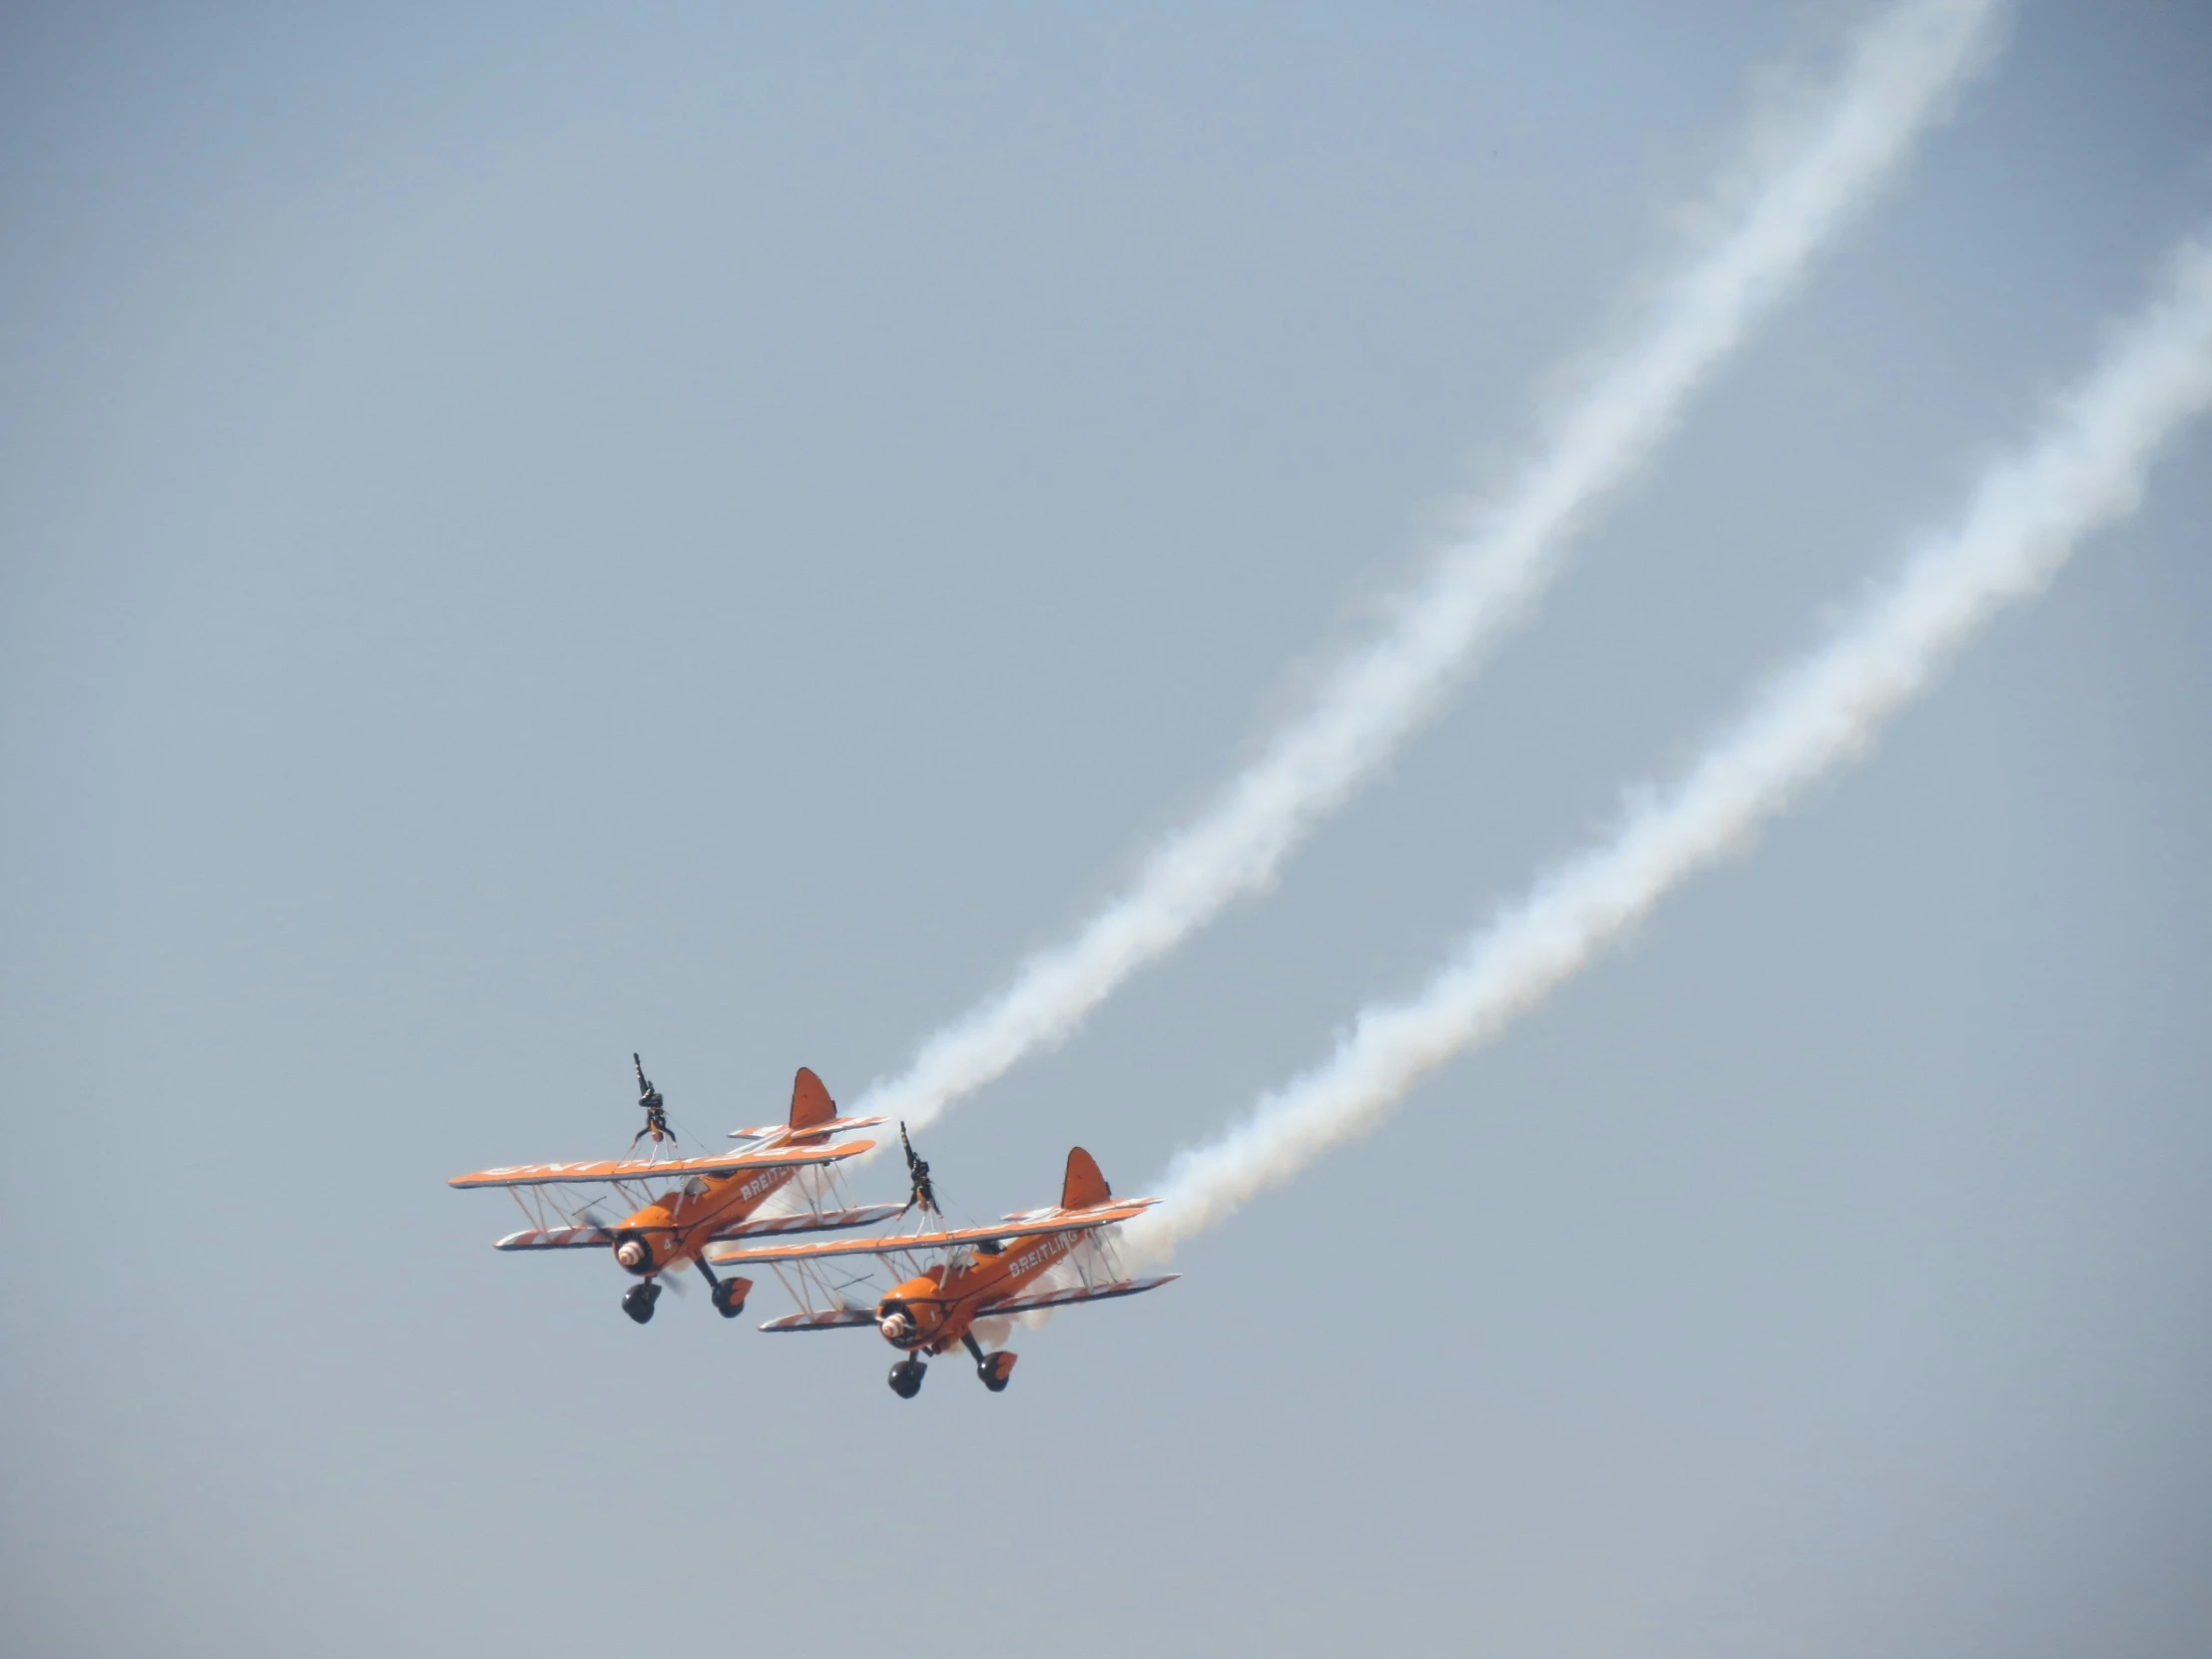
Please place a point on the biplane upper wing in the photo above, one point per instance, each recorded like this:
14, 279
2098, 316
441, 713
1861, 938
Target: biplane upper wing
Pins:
1073, 1293
1060, 1220
646, 1169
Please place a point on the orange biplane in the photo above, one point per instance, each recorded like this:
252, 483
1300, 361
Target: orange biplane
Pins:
983, 1278
720, 1197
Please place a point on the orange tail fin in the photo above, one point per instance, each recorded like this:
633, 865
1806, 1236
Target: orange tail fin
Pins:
1083, 1186
811, 1102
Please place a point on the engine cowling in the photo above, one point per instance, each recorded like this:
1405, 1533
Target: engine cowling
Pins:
910, 1316
907, 1326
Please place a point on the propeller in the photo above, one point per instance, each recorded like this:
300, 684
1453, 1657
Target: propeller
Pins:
918, 1172
590, 1216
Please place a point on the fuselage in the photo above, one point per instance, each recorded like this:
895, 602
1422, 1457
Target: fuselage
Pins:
933, 1310
671, 1230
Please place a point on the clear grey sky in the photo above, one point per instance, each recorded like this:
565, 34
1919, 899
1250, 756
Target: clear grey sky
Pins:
533, 532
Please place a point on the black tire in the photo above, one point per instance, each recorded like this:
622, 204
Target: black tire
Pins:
638, 1300
729, 1300
905, 1377
995, 1374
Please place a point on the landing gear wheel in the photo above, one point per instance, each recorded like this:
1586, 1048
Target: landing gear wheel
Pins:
728, 1297
638, 1299
907, 1377
993, 1368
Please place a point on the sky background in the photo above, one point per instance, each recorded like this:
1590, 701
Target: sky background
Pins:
531, 533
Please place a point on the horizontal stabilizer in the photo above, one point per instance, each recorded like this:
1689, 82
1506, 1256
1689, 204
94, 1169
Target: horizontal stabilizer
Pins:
811, 1221
1054, 1221
836, 1126
1077, 1293
650, 1170
839, 1319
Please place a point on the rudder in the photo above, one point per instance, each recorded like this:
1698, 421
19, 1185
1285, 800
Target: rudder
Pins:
811, 1102
1084, 1187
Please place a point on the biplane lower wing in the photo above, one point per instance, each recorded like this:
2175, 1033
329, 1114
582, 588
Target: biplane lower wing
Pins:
558, 1238
838, 1318
810, 1220
646, 1169
1075, 1293
847, 1319
602, 1238
1062, 1221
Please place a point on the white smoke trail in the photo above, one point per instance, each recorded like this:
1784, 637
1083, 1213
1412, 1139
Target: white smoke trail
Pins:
2083, 468
1797, 191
